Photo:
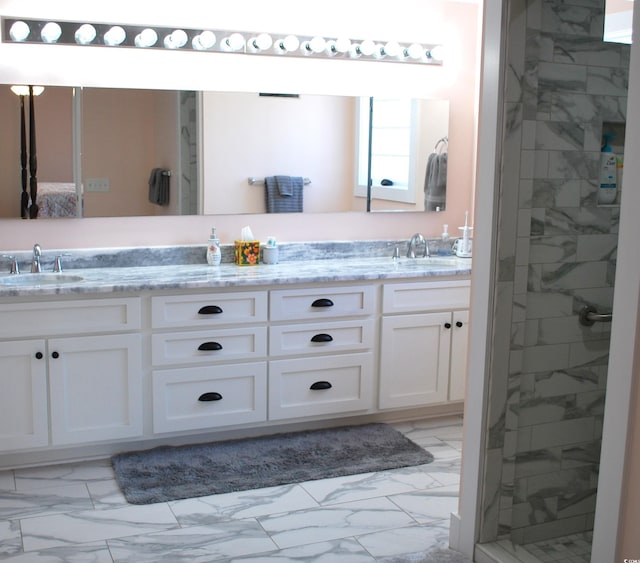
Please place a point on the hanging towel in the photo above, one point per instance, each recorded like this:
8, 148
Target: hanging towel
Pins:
284, 194
159, 186
435, 183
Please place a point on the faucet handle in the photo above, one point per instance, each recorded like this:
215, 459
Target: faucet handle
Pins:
15, 268
57, 263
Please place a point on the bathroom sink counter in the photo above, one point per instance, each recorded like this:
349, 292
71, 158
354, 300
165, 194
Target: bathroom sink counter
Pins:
199, 276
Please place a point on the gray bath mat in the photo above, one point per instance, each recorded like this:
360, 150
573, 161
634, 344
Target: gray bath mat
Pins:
171, 473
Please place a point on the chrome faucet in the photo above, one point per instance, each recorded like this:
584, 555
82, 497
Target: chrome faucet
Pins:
415, 241
35, 262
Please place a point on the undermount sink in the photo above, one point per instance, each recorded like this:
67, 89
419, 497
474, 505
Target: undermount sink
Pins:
27, 280
427, 262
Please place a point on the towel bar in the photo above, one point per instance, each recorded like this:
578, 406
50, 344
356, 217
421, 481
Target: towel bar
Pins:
260, 181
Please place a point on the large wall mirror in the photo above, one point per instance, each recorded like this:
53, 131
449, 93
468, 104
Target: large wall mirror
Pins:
215, 150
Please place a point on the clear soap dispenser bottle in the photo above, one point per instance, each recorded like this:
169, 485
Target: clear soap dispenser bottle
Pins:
214, 254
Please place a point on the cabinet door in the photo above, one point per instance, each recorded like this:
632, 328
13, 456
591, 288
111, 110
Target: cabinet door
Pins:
414, 360
459, 348
96, 388
23, 395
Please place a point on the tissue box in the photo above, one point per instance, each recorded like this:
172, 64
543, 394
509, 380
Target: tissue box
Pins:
247, 252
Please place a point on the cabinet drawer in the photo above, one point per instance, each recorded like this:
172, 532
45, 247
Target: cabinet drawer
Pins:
425, 296
246, 343
331, 385
209, 397
321, 338
69, 317
209, 309
313, 303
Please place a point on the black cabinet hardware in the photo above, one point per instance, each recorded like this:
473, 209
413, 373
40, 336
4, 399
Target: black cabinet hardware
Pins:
39, 355
208, 397
322, 337
320, 385
210, 346
210, 310
447, 325
55, 355
322, 302
459, 324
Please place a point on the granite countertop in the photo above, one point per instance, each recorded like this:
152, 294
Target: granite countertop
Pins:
201, 276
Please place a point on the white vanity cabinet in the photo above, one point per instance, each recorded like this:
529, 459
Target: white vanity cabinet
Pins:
321, 343
87, 354
210, 369
423, 344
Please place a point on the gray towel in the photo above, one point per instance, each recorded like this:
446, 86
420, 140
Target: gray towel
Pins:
284, 194
159, 187
435, 183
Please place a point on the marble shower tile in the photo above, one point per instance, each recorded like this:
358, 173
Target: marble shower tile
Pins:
241, 505
579, 221
607, 81
561, 17
565, 330
333, 522
51, 500
7, 482
343, 550
565, 382
86, 553
537, 462
570, 165
562, 433
589, 353
581, 455
406, 540
10, 538
596, 247
196, 544
59, 530
370, 485
555, 77
491, 495
585, 51
532, 513
545, 357
559, 136
556, 528
542, 411
548, 305
555, 193
525, 193
574, 275
552, 249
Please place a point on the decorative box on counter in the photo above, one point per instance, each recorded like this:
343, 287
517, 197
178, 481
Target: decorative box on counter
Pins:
247, 252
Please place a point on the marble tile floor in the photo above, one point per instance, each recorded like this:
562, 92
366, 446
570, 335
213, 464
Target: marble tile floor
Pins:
76, 513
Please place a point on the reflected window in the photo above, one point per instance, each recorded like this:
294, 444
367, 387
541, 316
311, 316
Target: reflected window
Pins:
618, 21
391, 122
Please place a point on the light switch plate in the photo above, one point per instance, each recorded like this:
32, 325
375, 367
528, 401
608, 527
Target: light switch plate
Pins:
96, 184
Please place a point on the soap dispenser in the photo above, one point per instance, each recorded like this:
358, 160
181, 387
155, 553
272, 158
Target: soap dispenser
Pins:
214, 254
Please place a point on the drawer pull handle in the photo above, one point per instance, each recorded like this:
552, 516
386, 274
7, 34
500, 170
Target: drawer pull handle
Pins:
447, 325
459, 324
323, 302
210, 346
210, 310
208, 397
322, 337
320, 385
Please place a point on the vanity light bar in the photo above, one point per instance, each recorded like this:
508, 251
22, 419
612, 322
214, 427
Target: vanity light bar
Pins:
220, 41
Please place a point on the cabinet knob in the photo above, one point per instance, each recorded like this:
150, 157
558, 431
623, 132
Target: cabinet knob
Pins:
320, 385
211, 396
55, 355
459, 324
39, 355
322, 302
447, 325
210, 310
210, 346
322, 337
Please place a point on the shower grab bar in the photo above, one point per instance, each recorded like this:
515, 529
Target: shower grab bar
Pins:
589, 315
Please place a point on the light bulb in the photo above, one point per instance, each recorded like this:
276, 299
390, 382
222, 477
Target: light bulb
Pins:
354, 51
315, 45
51, 32
204, 41
367, 47
343, 45
415, 51
114, 36
85, 34
234, 42
19, 31
262, 42
176, 39
392, 49
288, 44
437, 53
146, 38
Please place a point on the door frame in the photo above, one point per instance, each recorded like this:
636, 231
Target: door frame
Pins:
625, 333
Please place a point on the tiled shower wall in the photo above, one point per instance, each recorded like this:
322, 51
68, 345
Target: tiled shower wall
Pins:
556, 253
